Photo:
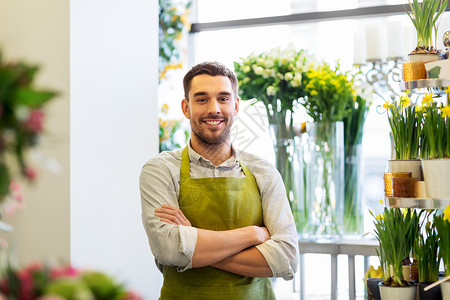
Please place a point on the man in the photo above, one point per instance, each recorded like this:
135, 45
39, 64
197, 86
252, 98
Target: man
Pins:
218, 220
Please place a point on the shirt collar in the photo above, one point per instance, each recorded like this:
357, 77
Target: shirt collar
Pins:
197, 159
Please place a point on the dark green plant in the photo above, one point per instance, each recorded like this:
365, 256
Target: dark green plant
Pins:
425, 18
442, 223
353, 134
21, 118
396, 232
426, 254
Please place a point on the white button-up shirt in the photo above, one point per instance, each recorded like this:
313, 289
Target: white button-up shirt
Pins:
174, 244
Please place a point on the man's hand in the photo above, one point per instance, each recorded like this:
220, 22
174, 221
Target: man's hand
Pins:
172, 215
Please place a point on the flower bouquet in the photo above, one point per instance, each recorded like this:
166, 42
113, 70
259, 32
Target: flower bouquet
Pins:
21, 124
37, 281
330, 99
275, 78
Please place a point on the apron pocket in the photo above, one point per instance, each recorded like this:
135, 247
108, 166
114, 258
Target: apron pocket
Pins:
254, 291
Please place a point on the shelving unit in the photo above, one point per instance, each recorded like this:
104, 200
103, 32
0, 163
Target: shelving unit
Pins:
426, 203
438, 87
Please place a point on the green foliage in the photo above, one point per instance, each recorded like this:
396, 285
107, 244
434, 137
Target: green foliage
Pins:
102, 286
172, 21
426, 254
21, 116
329, 93
425, 18
405, 123
442, 224
436, 131
396, 232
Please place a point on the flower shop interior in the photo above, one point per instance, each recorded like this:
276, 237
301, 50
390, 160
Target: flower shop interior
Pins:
343, 78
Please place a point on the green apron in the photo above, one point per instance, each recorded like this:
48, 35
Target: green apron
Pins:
218, 203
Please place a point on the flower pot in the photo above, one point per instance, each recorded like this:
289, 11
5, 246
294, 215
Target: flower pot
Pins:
445, 290
373, 291
424, 57
397, 293
407, 165
436, 174
432, 294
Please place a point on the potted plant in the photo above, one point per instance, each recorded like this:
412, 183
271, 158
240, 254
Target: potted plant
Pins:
405, 122
436, 149
425, 16
442, 223
426, 255
396, 230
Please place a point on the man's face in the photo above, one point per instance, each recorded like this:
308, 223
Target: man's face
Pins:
211, 108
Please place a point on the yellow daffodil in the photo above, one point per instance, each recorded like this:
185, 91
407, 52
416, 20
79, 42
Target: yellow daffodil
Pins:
405, 212
427, 99
386, 105
165, 108
419, 109
446, 111
405, 101
381, 201
448, 90
446, 214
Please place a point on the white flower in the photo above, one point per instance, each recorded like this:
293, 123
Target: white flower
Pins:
288, 76
246, 69
280, 76
258, 70
271, 91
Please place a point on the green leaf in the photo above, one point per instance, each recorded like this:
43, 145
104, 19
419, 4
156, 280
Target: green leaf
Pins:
4, 180
28, 97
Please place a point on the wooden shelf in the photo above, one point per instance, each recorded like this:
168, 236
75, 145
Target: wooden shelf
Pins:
427, 203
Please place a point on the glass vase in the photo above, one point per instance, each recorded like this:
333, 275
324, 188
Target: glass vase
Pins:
289, 162
324, 161
353, 192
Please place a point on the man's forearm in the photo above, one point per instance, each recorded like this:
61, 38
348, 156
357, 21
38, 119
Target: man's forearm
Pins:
249, 262
214, 246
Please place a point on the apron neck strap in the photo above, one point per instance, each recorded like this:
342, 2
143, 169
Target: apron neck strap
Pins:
186, 169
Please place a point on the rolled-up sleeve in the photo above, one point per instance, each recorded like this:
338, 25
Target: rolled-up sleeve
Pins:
281, 250
171, 245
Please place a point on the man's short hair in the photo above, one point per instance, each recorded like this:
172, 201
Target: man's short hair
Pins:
212, 68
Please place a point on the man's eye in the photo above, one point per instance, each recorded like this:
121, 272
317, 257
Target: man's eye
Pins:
201, 100
223, 99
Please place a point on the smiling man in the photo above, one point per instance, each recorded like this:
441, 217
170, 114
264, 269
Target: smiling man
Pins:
217, 219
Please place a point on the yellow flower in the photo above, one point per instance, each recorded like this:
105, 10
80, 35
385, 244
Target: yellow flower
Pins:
446, 111
419, 109
381, 201
427, 99
405, 212
448, 90
380, 217
165, 108
386, 106
446, 213
405, 101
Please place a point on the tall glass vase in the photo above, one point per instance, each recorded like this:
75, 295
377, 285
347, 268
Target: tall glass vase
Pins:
353, 193
289, 162
324, 161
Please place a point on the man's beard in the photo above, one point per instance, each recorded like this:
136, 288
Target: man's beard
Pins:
206, 139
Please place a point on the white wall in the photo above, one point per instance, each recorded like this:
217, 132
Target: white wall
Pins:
113, 76
38, 32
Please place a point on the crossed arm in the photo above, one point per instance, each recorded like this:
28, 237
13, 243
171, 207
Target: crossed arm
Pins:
229, 250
